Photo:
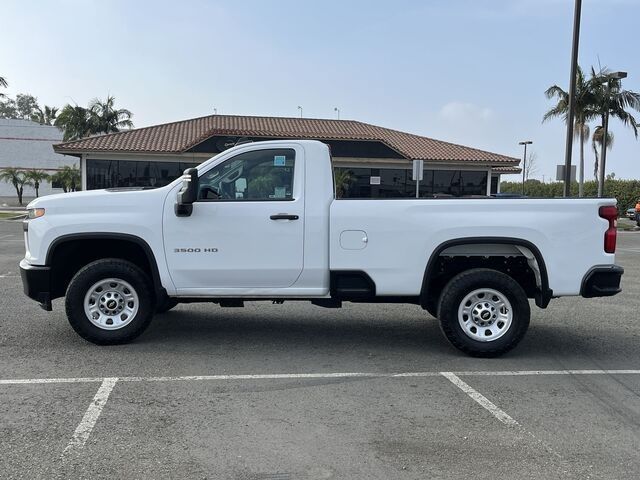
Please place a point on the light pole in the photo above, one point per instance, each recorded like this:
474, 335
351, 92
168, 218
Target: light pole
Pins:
605, 127
337, 110
572, 96
524, 161
300, 108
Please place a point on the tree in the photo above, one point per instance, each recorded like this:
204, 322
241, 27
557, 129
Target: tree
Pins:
26, 105
612, 100
100, 117
46, 116
597, 141
585, 111
8, 108
532, 165
105, 118
18, 178
74, 120
3, 83
344, 179
68, 177
37, 177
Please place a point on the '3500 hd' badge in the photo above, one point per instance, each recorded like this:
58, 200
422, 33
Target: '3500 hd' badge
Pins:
195, 250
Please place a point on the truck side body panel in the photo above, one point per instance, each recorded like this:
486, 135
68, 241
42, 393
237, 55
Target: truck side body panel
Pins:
402, 234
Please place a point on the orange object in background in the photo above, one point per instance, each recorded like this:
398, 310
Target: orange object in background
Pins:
638, 206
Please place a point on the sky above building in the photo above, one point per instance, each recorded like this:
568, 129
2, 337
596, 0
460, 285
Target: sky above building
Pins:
467, 71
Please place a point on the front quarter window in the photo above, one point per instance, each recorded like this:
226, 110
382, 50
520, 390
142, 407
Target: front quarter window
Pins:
258, 175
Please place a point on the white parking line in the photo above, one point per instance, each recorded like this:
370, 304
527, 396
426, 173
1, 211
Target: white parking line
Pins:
513, 373
83, 430
480, 399
328, 375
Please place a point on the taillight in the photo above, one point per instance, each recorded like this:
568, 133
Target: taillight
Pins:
610, 213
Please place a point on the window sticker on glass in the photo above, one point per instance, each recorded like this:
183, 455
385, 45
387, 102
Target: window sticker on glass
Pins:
280, 192
374, 180
279, 161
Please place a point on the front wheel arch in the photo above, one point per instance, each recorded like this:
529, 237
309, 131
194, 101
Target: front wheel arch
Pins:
68, 254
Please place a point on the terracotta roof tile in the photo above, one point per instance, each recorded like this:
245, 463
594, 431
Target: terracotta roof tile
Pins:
178, 137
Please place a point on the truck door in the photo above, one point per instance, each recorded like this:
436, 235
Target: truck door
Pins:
247, 226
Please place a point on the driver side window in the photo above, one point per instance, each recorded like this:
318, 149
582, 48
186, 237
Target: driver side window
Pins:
259, 175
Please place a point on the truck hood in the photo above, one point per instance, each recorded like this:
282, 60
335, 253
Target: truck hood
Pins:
97, 200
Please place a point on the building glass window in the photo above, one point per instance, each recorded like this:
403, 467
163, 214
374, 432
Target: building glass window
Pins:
398, 183
494, 183
129, 173
473, 182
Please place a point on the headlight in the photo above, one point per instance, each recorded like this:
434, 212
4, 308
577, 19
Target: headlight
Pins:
35, 212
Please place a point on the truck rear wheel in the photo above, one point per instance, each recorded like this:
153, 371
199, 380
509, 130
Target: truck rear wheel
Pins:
109, 301
483, 312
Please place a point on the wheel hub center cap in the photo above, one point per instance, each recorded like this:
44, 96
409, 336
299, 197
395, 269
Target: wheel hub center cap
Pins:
483, 313
111, 303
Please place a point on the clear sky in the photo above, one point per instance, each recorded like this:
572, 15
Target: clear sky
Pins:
471, 72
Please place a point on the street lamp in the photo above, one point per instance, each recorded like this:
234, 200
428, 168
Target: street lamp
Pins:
524, 161
300, 108
337, 110
572, 96
607, 79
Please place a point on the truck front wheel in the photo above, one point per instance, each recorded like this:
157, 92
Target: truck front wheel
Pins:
483, 312
109, 301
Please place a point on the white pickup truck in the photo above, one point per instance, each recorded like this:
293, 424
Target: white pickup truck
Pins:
260, 222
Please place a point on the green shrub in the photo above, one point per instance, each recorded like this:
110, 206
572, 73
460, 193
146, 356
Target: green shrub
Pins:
627, 192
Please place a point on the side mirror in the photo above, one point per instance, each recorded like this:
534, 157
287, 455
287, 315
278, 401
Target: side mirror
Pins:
188, 193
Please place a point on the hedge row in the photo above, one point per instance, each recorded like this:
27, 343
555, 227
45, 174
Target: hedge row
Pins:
627, 192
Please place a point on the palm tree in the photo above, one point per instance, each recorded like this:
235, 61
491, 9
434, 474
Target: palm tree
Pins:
74, 120
46, 116
3, 83
597, 142
343, 179
611, 100
68, 177
585, 110
37, 177
18, 178
105, 118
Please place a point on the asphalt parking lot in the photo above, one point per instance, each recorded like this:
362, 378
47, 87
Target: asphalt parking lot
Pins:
295, 391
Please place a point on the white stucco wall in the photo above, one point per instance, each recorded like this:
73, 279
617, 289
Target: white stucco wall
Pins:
28, 145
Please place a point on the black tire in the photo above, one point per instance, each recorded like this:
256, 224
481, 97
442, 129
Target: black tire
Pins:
464, 284
104, 269
166, 304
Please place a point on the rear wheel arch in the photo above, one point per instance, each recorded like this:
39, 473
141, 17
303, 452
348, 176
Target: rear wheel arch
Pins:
431, 288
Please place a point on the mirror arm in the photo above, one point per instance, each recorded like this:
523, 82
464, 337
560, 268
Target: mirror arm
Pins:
188, 193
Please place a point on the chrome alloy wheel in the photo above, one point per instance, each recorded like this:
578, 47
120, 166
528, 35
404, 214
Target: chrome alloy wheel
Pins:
485, 315
111, 304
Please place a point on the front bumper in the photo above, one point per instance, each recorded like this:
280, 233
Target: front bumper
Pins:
602, 281
36, 282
